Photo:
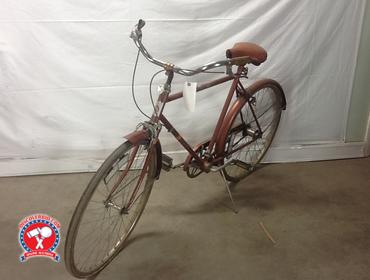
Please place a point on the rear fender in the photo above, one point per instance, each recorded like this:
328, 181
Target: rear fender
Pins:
238, 104
259, 84
229, 118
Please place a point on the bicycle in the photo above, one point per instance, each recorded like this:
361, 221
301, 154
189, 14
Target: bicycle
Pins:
114, 199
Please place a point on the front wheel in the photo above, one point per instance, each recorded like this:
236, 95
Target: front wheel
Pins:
109, 209
253, 129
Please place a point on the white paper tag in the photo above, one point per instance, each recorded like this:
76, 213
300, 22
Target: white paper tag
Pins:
160, 89
189, 93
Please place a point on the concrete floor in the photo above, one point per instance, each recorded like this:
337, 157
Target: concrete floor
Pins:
318, 213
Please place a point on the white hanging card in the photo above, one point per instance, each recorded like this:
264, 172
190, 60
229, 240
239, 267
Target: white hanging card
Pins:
189, 92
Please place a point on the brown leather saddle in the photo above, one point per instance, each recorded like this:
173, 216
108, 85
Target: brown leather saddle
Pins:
256, 53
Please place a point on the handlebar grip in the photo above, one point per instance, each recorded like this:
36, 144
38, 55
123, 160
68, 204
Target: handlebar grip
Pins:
140, 24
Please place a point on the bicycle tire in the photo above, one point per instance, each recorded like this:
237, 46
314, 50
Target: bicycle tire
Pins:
113, 161
248, 163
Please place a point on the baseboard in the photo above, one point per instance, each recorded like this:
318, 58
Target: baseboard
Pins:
19, 167
367, 138
38, 166
317, 152
301, 153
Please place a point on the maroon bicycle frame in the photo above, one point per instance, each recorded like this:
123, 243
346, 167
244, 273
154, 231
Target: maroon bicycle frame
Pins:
216, 145
220, 133
226, 115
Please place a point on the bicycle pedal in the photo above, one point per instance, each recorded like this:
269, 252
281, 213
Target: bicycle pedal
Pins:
166, 162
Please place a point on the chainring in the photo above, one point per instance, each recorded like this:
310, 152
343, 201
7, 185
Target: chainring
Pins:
191, 166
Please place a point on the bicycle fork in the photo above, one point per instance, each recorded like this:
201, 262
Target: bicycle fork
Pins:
133, 197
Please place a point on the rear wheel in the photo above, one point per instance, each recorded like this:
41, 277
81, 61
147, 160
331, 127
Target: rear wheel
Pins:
254, 127
109, 209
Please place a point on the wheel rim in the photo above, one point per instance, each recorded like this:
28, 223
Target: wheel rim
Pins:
104, 225
266, 106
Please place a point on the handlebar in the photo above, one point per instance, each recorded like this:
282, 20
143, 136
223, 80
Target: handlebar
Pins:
136, 36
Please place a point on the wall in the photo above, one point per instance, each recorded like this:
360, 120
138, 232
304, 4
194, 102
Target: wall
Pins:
65, 74
360, 100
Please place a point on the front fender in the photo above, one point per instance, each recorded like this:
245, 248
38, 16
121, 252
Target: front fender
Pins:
138, 137
158, 149
141, 137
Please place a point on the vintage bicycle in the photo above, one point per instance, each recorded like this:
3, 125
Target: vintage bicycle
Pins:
114, 199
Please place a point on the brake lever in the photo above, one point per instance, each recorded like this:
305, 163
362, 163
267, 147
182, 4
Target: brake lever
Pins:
136, 33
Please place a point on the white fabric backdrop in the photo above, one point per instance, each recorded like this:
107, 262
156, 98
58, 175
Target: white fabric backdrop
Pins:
65, 67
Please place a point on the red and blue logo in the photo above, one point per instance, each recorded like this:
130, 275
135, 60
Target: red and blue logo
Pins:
39, 236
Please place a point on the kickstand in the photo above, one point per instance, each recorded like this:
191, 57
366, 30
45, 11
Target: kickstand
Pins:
227, 185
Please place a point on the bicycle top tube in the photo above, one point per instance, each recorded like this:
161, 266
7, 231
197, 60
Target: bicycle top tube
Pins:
136, 35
